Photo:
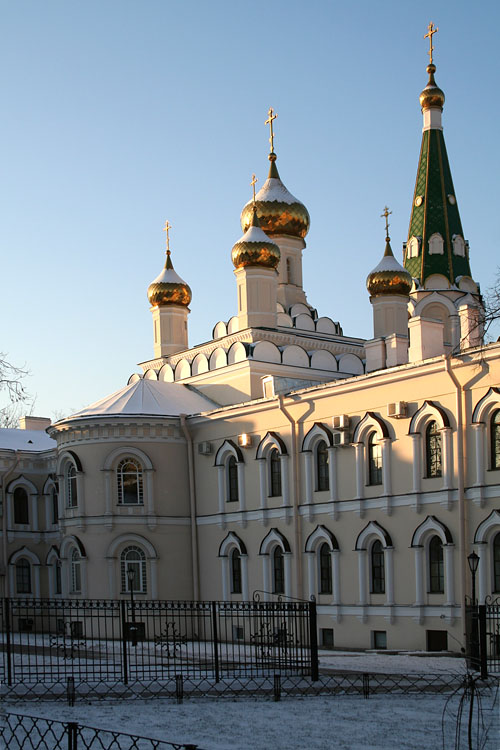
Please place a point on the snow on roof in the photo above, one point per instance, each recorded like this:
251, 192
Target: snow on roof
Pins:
148, 398
25, 440
255, 234
274, 190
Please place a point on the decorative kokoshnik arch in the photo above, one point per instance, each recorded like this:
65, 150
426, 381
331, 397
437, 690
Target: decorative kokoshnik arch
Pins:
369, 427
275, 550
430, 412
270, 447
484, 433
484, 541
232, 554
313, 547
420, 543
319, 437
373, 532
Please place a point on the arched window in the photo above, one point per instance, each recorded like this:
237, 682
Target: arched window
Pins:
325, 569
433, 451
496, 563
133, 559
57, 577
274, 473
289, 271
495, 439
54, 505
75, 572
377, 568
71, 488
21, 511
374, 460
436, 244
129, 481
235, 572
232, 480
278, 571
436, 566
23, 576
322, 477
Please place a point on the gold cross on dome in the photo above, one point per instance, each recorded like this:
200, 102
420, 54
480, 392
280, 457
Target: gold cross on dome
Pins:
386, 215
431, 30
271, 116
166, 229
253, 183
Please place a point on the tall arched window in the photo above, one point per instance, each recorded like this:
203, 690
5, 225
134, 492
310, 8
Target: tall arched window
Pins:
274, 473
23, 576
496, 563
436, 566
495, 439
133, 559
232, 480
325, 569
75, 572
54, 505
71, 488
235, 571
433, 451
129, 481
374, 460
322, 476
21, 510
377, 568
278, 571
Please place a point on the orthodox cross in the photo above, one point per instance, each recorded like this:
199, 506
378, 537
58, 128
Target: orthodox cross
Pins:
431, 30
386, 215
269, 121
166, 229
253, 183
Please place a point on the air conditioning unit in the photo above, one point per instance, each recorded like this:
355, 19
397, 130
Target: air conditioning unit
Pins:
205, 448
341, 439
341, 422
397, 410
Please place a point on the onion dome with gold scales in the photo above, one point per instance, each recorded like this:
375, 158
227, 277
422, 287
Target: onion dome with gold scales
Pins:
255, 248
168, 288
389, 277
279, 212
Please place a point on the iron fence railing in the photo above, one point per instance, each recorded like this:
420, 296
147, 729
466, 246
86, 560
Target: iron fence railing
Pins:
101, 642
22, 732
492, 632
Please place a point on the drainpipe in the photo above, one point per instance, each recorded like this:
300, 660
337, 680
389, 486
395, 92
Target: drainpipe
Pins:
192, 509
295, 499
463, 520
3, 480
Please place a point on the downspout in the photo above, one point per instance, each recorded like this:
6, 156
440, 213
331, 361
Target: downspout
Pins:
463, 520
192, 509
3, 479
295, 499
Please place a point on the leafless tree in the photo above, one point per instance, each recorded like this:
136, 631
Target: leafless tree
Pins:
13, 391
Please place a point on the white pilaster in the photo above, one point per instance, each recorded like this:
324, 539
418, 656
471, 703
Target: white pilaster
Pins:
479, 439
389, 575
336, 575
386, 465
419, 576
360, 485
288, 574
449, 577
362, 577
262, 482
308, 474
332, 472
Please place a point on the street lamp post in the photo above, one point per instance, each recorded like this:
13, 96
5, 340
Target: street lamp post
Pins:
473, 560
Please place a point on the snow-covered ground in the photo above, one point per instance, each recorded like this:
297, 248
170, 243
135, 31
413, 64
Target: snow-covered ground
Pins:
350, 722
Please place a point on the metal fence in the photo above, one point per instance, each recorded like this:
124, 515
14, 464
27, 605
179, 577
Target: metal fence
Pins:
492, 628
90, 644
22, 732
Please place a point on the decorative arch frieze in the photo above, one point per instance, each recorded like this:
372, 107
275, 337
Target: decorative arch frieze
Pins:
272, 539
269, 441
228, 448
430, 527
318, 431
372, 529
318, 536
371, 422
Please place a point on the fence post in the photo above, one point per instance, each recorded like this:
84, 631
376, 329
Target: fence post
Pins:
313, 641
72, 729
366, 685
277, 687
70, 691
483, 646
6, 604
215, 638
179, 688
123, 618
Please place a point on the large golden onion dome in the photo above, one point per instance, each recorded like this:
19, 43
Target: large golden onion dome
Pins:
168, 288
389, 277
255, 248
432, 95
278, 210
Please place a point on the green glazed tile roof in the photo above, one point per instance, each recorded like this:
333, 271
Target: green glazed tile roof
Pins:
435, 214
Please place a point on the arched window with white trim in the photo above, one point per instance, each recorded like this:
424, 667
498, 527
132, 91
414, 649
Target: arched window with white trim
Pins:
21, 506
23, 576
375, 564
71, 486
129, 479
487, 546
54, 505
433, 451
436, 566
321, 465
278, 571
377, 568
75, 567
276, 558
230, 465
233, 556
495, 440
432, 437
433, 546
133, 570
322, 553
325, 569
274, 473
496, 562
372, 444
272, 458
374, 456
233, 494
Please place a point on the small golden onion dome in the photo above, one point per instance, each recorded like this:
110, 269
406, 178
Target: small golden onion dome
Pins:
168, 288
389, 277
255, 248
278, 210
432, 95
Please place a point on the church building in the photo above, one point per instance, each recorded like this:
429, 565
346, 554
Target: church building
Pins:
282, 457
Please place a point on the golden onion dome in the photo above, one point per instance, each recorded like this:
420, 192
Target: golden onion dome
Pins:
278, 210
255, 248
432, 95
389, 277
168, 288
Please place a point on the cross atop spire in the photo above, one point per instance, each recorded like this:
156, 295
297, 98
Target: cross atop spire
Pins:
386, 215
253, 183
271, 116
167, 229
431, 30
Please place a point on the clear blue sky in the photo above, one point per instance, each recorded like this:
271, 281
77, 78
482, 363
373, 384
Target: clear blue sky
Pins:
117, 115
